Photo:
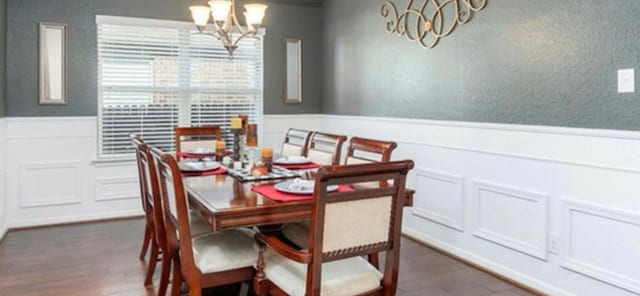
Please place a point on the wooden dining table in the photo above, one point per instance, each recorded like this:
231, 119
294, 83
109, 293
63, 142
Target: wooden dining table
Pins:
226, 203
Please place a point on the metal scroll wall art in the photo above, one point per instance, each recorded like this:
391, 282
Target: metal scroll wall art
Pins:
429, 21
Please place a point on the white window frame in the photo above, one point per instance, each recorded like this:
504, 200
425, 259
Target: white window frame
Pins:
184, 116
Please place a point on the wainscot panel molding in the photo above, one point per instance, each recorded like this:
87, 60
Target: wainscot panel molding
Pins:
593, 235
51, 177
440, 198
47, 184
116, 188
521, 171
498, 213
550, 161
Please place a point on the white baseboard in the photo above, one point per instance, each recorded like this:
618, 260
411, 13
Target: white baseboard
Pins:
75, 219
502, 270
3, 232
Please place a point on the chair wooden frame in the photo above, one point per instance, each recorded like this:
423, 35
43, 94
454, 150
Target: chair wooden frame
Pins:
314, 255
195, 131
320, 138
184, 266
384, 148
149, 239
159, 242
302, 136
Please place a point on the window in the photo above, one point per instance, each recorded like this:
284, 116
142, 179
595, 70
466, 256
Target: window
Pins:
155, 75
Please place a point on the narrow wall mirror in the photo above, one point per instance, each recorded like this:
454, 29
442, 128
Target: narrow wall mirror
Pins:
293, 71
53, 64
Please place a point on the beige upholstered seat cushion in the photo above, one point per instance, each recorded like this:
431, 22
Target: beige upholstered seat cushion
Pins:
291, 150
223, 251
198, 226
320, 157
297, 233
351, 276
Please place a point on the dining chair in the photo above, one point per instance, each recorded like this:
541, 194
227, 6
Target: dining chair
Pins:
360, 151
296, 142
190, 138
207, 260
137, 141
345, 225
325, 149
152, 201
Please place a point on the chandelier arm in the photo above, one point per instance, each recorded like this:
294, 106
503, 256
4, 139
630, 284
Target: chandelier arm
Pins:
242, 37
234, 19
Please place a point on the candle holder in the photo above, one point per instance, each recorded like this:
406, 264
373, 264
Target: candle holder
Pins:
236, 143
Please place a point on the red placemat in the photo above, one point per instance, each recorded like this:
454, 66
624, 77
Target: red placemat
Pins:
218, 171
270, 192
300, 166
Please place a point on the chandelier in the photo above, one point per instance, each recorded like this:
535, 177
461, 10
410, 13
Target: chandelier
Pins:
225, 21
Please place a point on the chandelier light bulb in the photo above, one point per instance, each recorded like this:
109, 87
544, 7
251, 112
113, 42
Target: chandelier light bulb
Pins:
254, 13
220, 10
200, 15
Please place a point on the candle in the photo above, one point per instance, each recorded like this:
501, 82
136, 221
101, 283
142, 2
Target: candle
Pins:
267, 158
221, 148
252, 135
267, 152
236, 123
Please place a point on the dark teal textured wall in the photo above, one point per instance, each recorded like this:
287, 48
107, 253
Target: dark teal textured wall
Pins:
282, 21
542, 62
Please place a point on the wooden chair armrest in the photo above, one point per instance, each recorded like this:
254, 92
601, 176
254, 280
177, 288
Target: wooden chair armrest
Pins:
284, 249
408, 197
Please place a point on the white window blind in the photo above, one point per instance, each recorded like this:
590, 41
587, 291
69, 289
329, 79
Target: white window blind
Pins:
155, 75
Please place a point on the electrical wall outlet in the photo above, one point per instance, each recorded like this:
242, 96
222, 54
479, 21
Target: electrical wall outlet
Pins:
626, 81
554, 244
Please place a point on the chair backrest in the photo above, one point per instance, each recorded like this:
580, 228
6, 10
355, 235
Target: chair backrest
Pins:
176, 208
152, 190
137, 142
188, 138
296, 142
360, 222
325, 149
363, 150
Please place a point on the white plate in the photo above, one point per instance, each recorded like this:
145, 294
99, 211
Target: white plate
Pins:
292, 160
201, 151
299, 186
198, 166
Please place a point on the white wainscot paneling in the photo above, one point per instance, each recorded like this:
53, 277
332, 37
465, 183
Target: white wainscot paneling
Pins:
602, 243
116, 188
49, 184
512, 217
440, 198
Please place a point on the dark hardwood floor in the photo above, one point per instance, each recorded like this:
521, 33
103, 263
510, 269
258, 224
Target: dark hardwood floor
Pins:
101, 259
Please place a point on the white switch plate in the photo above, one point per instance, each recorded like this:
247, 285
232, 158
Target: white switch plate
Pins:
626, 81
